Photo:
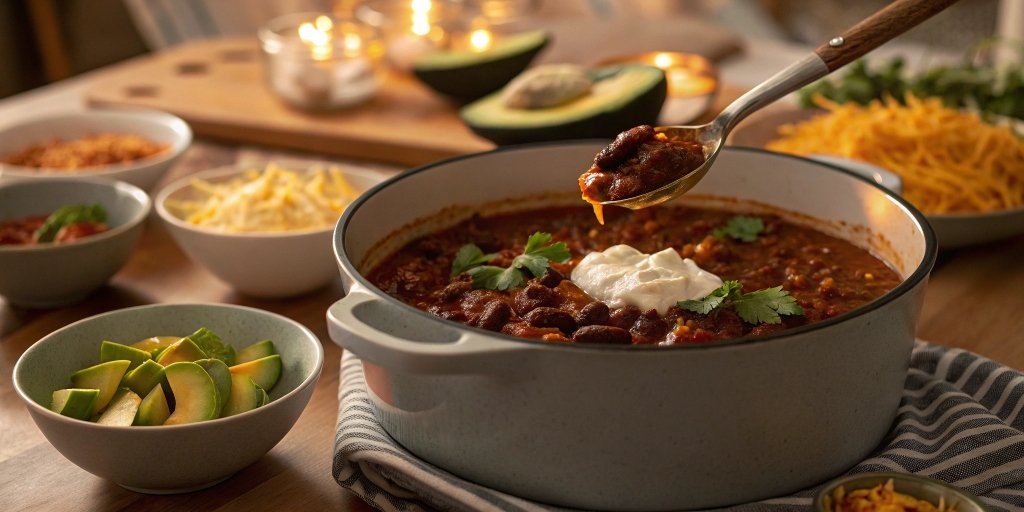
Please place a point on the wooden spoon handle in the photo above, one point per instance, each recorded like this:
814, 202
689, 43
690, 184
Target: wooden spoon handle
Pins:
895, 19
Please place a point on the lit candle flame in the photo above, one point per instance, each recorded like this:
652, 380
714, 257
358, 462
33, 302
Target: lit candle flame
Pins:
480, 39
421, 17
317, 36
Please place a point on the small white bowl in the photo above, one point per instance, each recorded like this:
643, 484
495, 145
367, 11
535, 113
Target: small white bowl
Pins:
154, 125
176, 458
954, 230
268, 265
48, 275
916, 486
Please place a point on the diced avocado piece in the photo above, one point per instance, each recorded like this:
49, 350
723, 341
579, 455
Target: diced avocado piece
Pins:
213, 346
185, 350
110, 351
156, 344
75, 403
154, 409
245, 395
622, 96
142, 379
469, 74
264, 371
195, 394
105, 377
255, 351
221, 376
122, 409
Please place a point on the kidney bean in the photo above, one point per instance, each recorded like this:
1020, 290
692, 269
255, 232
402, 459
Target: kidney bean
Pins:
551, 317
602, 334
649, 325
534, 296
624, 146
595, 313
551, 278
494, 316
454, 290
624, 317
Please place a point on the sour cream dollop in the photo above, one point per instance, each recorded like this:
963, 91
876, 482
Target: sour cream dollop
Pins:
621, 275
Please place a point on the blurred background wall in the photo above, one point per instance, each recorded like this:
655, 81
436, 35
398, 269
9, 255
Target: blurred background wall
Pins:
48, 40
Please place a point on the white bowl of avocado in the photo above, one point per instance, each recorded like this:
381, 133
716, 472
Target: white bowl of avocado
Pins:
169, 398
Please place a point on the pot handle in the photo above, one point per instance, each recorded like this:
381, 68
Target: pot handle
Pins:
384, 334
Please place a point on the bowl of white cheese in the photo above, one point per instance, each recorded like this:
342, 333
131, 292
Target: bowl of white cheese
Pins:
263, 229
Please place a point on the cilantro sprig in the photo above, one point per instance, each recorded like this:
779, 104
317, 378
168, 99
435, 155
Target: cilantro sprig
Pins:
740, 227
68, 215
535, 259
759, 307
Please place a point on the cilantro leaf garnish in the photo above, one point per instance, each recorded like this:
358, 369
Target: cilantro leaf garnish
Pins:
68, 215
712, 300
759, 307
496, 278
765, 306
469, 256
740, 227
536, 257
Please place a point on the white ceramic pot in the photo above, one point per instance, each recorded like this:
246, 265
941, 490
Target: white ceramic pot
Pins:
631, 428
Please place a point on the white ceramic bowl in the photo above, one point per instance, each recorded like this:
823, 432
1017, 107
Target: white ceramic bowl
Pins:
633, 427
47, 275
145, 173
269, 265
953, 230
916, 486
179, 458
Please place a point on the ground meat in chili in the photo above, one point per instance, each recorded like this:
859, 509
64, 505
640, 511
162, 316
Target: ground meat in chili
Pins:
826, 275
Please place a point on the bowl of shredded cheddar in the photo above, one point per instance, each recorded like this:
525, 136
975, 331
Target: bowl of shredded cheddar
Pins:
965, 172
894, 492
265, 230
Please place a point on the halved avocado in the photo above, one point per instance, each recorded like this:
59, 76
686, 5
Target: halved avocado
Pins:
623, 96
467, 75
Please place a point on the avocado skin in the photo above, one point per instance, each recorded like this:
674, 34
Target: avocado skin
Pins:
474, 81
643, 109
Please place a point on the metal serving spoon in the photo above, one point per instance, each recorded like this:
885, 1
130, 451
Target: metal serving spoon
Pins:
893, 20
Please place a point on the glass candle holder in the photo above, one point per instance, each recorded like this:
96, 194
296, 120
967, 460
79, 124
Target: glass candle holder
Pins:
315, 61
412, 28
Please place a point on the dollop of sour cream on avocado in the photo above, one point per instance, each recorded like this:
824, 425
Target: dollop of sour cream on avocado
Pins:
621, 275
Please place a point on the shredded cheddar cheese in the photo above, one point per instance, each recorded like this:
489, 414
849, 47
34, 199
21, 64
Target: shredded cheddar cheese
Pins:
272, 200
880, 498
950, 160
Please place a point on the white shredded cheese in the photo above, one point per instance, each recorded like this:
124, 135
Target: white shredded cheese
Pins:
273, 200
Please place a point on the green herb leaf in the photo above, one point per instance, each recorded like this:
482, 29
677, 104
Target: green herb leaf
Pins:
741, 227
66, 216
469, 256
713, 299
539, 245
213, 345
496, 278
760, 307
765, 306
536, 258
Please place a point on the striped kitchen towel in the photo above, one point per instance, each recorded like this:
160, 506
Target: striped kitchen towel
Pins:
960, 421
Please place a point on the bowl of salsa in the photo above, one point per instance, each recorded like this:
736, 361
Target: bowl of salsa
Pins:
62, 239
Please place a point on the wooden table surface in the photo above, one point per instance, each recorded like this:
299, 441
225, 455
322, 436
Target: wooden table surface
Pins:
973, 301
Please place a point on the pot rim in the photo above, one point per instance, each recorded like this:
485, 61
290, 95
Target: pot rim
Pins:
916, 277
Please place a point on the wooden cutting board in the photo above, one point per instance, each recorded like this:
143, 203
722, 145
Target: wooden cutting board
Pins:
218, 87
